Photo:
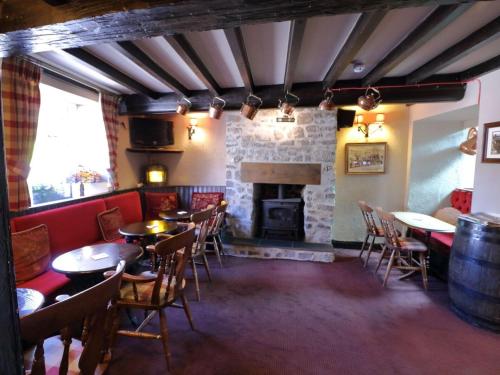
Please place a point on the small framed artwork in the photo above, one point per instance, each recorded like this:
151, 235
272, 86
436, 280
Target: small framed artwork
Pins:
365, 158
491, 143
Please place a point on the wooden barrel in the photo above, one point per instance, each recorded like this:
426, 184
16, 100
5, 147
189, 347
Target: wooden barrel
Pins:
474, 270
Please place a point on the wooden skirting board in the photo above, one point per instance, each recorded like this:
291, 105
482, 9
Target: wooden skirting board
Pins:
281, 173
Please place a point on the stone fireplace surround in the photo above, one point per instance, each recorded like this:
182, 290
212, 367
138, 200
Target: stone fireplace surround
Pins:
310, 140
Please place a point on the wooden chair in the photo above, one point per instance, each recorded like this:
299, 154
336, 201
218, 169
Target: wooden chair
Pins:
402, 249
62, 354
153, 292
372, 230
202, 221
215, 229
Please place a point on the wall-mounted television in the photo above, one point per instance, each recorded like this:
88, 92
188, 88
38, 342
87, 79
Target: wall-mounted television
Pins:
150, 132
345, 118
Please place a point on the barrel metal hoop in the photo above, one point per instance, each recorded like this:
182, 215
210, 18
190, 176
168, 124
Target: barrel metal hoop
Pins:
473, 293
479, 262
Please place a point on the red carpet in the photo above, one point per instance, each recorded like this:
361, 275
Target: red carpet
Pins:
288, 317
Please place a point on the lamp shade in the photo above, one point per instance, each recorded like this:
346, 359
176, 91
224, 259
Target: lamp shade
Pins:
156, 174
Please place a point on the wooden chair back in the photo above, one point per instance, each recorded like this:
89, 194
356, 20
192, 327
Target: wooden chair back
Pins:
367, 213
90, 305
220, 212
174, 252
390, 233
202, 221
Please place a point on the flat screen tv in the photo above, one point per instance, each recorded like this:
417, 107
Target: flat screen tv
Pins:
345, 118
150, 132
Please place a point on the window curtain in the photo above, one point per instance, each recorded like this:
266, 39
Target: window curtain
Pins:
109, 105
20, 106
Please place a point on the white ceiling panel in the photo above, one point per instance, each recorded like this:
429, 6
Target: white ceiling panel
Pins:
214, 51
127, 67
323, 39
165, 56
72, 65
393, 28
480, 55
266, 46
477, 16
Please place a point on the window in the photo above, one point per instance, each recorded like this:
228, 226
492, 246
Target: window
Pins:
70, 158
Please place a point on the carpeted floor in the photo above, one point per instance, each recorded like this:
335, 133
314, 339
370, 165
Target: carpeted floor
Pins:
288, 317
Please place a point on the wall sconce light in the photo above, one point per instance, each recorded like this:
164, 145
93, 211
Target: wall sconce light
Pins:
193, 123
365, 127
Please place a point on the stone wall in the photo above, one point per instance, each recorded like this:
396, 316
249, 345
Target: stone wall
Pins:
311, 139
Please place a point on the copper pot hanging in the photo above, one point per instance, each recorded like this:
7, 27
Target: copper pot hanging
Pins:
327, 103
183, 107
287, 106
370, 100
249, 109
470, 145
216, 109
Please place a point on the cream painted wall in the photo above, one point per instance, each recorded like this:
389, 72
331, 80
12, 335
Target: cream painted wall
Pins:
201, 163
386, 190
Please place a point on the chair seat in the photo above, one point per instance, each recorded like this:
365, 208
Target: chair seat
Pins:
380, 232
145, 291
411, 244
53, 351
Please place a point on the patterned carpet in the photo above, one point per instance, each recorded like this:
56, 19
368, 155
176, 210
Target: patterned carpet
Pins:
288, 317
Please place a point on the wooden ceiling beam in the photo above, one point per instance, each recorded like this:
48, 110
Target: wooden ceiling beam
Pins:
480, 69
428, 28
41, 27
138, 57
187, 53
234, 37
108, 71
297, 28
467, 45
365, 26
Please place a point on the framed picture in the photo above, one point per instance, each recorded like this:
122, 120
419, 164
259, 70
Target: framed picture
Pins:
491, 143
365, 158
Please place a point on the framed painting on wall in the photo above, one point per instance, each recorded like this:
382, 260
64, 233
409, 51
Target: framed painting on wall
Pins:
491, 143
365, 158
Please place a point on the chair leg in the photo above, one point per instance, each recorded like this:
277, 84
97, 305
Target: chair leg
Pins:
196, 282
164, 337
363, 246
217, 252
370, 248
423, 267
382, 255
185, 306
221, 246
207, 267
389, 267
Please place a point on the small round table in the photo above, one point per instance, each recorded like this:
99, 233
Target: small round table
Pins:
176, 215
95, 259
28, 301
144, 229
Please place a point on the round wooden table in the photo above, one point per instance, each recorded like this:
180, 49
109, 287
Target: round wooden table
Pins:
148, 228
28, 301
95, 259
176, 215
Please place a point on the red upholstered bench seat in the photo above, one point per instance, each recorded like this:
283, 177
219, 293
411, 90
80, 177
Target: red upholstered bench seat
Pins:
47, 283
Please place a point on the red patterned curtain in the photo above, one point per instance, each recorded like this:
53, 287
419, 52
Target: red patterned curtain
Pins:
109, 105
20, 107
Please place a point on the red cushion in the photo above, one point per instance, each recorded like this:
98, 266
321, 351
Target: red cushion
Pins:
70, 227
157, 202
31, 251
461, 200
129, 204
200, 201
444, 238
47, 283
110, 221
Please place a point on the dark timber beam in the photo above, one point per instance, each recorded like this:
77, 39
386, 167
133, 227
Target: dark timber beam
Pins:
187, 53
40, 26
470, 43
237, 44
310, 95
480, 69
365, 26
434, 23
297, 28
108, 71
134, 53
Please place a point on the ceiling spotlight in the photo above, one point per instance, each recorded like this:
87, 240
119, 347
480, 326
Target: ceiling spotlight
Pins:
216, 109
327, 103
370, 100
183, 107
287, 106
358, 67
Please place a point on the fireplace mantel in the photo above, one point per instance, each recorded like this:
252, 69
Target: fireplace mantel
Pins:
281, 173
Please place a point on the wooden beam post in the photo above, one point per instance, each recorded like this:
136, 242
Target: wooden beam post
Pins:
365, 26
234, 37
480, 69
470, 43
434, 23
184, 49
297, 28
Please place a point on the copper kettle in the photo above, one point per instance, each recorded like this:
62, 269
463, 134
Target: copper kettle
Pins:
216, 109
249, 109
469, 146
327, 103
370, 100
